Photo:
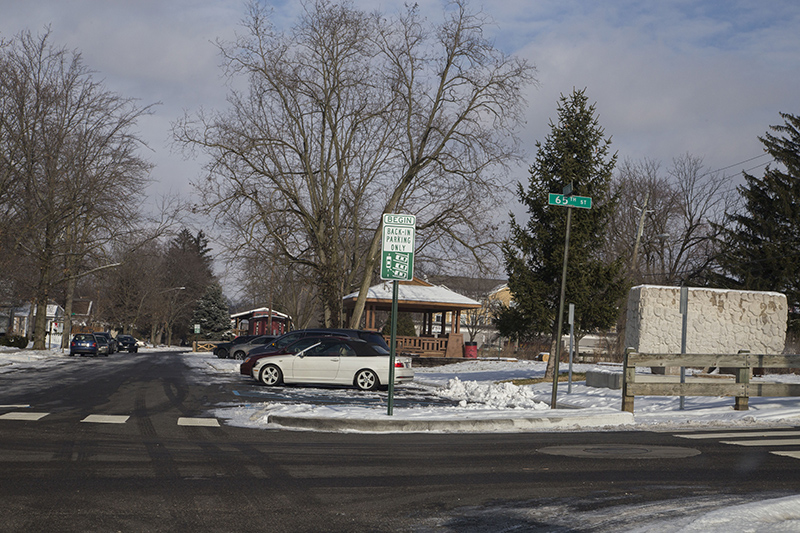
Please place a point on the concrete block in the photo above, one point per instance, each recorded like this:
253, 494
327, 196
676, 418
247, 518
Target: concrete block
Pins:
719, 321
603, 379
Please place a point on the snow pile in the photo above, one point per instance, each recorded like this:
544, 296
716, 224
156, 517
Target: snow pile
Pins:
482, 395
780, 515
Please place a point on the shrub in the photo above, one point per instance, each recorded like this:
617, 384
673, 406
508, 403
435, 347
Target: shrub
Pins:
15, 341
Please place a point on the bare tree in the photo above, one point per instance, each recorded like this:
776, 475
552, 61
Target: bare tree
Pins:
68, 145
675, 213
351, 115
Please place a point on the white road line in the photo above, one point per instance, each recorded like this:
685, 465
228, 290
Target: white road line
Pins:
204, 422
23, 416
742, 434
13, 406
764, 442
106, 419
793, 455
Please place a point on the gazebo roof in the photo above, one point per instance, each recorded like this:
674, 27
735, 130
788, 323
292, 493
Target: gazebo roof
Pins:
261, 311
415, 295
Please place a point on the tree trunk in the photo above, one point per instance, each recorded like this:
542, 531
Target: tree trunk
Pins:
40, 324
70, 296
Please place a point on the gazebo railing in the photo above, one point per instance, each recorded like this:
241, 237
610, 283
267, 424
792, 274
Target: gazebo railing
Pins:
421, 345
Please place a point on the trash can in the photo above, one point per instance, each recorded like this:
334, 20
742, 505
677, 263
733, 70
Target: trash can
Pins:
471, 350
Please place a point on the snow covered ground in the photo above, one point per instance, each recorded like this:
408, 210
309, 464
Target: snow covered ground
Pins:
481, 389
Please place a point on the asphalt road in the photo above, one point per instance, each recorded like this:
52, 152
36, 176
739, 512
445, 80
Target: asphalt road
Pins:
122, 448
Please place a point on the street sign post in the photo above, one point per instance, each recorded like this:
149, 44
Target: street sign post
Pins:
397, 264
568, 201
584, 202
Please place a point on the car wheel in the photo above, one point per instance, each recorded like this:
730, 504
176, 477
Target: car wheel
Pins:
366, 380
271, 375
222, 353
238, 355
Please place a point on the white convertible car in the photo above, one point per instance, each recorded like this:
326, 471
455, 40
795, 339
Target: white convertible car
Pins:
334, 361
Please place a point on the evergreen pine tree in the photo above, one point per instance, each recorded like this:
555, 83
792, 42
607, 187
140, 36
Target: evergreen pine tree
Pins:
211, 312
761, 243
575, 152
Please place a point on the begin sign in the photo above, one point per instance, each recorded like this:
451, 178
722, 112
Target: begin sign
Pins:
397, 247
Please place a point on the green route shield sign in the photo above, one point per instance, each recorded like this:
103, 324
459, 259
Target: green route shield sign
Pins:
397, 247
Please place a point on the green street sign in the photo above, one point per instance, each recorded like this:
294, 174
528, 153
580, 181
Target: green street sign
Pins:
584, 202
397, 247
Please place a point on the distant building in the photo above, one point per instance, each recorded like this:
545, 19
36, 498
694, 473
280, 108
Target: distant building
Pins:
261, 321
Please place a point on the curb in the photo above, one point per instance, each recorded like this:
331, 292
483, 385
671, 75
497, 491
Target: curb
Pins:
558, 419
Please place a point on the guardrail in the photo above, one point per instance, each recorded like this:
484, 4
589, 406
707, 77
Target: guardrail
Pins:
742, 389
204, 346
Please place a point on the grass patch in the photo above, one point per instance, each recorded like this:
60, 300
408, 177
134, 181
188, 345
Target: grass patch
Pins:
576, 376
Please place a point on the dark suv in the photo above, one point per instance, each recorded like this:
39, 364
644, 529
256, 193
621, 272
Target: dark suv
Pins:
286, 339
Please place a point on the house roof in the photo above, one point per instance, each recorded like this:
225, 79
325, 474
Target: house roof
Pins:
415, 295
261, 311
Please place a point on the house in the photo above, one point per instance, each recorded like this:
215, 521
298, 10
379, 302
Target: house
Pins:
19, 320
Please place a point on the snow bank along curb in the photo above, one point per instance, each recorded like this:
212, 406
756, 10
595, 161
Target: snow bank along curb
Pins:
552, 419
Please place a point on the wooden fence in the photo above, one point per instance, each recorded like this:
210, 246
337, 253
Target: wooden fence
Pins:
204, 346
742, 363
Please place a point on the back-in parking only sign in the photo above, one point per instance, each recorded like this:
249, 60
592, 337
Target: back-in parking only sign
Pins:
397, 247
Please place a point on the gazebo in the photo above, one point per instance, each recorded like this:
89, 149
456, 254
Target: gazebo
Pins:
418, 296
262, 321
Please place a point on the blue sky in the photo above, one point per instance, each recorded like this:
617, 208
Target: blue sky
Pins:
668, 77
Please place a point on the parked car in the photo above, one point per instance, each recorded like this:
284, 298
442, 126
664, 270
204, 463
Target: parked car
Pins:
84, 344
103, 348
240, 351
113, 347
127, 343
296, 346
223, 349
334, 361
246, 368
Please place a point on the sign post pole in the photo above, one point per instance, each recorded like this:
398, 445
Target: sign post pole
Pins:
393, 347
569, 201
561, 312
397, 264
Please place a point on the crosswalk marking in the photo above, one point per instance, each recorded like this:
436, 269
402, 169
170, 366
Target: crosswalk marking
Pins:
764, 438
106, 419
18, 415
793, 455
204, 422
779, 433
763, 442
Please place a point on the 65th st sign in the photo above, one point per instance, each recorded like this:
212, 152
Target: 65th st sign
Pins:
397, 247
